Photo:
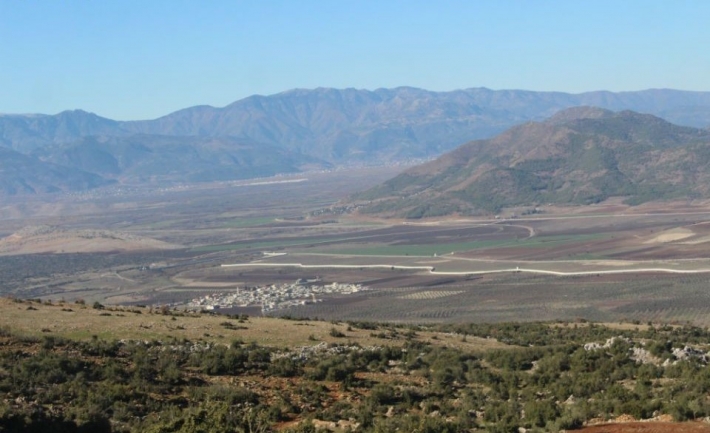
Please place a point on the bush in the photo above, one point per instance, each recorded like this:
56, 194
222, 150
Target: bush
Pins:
334, 332
284, 367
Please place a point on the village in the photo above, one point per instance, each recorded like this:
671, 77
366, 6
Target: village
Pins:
274, 296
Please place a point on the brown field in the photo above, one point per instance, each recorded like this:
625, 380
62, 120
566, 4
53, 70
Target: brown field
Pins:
659, 299
614, 258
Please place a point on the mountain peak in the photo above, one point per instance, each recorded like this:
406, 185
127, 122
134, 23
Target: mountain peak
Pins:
76, 112
578, 113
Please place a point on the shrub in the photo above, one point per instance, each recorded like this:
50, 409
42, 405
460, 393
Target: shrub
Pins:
334, 332
284, 367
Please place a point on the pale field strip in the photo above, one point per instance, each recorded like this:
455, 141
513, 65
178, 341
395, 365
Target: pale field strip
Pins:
451, 262
432, 270
431, 294
187, 282
322, 266
272, 182
116, 275
548, 217
696, 241
672, 235
457, 266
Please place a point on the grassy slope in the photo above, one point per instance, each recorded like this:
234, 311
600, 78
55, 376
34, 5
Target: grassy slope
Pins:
137, 323
451, 381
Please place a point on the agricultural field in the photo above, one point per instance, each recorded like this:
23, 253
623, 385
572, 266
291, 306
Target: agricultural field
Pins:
607, 262
469, 292
629, 297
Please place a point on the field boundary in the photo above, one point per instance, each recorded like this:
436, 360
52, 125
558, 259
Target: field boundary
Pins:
432, 270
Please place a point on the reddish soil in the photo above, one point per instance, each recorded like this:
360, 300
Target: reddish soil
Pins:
649, 427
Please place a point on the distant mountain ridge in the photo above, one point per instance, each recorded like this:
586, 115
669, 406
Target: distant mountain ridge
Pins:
25, 133
578, 156
308, 129
349, 121
403, 122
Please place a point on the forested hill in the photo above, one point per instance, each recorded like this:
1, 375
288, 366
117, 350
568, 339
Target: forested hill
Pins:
579, 156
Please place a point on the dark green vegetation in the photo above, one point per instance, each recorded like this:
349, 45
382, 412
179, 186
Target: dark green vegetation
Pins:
579, 156
291, 131
545, 379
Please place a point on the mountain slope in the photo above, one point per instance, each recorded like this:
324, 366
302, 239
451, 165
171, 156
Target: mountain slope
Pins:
350, 124
192, 159
25, 133
22, 174
287, 132
580, 155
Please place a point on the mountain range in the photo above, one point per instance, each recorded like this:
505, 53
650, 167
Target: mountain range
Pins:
580, 155
292, 131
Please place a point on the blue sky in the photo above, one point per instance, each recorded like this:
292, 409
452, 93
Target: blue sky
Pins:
143, 59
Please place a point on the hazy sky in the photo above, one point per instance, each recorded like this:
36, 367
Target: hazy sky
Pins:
143, 59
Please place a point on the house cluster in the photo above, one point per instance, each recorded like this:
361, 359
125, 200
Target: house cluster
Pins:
274, 296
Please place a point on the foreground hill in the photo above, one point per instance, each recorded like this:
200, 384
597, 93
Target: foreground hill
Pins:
579, 156
70, 367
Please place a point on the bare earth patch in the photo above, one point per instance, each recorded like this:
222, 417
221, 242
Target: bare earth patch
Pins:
672, 235
648, 427
47, 239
